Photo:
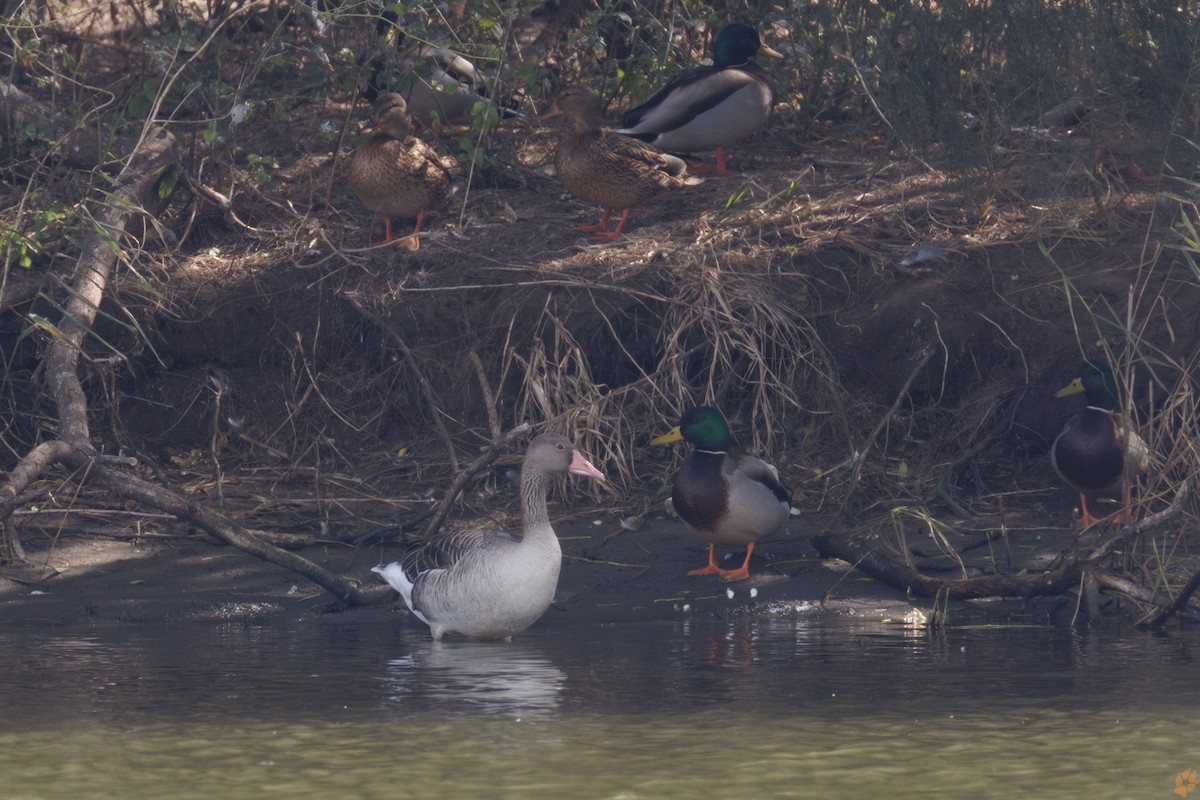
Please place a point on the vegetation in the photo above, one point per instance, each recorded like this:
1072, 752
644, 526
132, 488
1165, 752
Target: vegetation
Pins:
956, 203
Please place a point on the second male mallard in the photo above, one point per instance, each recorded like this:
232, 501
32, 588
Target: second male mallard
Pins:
708, 108
396, 174
614, 172
724, 498
1098, 449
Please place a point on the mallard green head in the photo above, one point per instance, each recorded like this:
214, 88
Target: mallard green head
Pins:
1095, 380
738, 43
704, 426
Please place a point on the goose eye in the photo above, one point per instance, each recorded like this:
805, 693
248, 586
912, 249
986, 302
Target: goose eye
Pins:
561, 446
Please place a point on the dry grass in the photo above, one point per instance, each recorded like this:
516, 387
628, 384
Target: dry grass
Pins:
787, 296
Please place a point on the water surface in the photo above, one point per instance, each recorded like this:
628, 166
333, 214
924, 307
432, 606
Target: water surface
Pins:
697, 708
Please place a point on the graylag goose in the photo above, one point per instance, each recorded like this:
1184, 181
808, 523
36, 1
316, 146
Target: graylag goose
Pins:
487, 583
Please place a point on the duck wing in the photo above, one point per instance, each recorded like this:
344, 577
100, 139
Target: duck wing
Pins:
687, 97
444, 551
634, 163
745, 467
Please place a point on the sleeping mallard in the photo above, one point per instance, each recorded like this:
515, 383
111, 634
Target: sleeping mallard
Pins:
708, 108
442, 87
724, 498
1098, 448
614, 172
396, 174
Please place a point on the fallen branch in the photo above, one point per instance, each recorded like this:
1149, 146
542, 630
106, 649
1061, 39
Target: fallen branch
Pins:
878, 559
858, 551
216, 525
1177, 606
99, 250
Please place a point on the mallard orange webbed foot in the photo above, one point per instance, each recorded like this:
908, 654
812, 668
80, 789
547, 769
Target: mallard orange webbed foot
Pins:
615, 233
411, 243
742, 572
1085, 518
719, 169
595, 227
711, 568
1118, 518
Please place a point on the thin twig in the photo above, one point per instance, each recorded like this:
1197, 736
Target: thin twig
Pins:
922, 360
489, 398
1128, 532
422, 381
489, 454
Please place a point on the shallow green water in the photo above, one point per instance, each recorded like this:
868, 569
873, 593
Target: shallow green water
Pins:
332, 708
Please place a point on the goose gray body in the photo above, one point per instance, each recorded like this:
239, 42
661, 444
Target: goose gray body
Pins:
488, 583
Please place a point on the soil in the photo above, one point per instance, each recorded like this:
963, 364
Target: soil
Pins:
610, 575
831, 296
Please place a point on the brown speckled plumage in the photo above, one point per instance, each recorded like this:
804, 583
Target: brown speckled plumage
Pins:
395, 174
612, 171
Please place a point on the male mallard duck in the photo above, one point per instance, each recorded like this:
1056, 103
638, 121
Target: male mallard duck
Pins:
614, 172
707, 108
724, 498
441, 87
490, 583
1098, 448
396, 174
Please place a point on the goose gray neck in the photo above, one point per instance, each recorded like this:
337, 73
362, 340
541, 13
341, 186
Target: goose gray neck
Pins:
535, 483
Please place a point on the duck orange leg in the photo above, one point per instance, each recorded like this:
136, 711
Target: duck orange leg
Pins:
387, 233
719, 170
742, 572
711, 568
1085, 518
412, 242
608, 236
600, 226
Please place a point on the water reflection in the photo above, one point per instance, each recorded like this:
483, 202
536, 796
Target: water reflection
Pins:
695, 708
463, 677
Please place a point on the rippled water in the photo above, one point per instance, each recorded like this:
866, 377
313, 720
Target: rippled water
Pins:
766, 708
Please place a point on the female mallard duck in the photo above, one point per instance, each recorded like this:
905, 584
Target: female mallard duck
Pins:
1098, 448
395, 174
724, 498
491, 583
614, 172
708, 108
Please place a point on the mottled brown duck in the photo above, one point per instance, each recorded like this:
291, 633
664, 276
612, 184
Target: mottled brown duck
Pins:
615, 172
395, 174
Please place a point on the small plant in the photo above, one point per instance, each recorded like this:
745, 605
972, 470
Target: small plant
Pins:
19, 247
261, 166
